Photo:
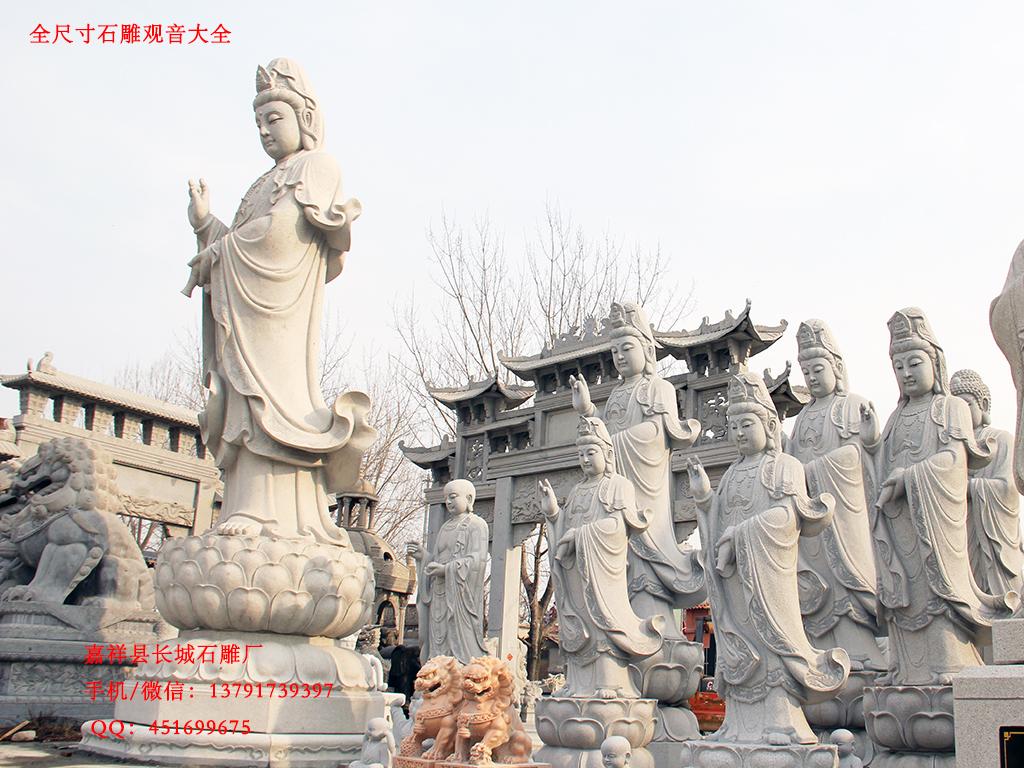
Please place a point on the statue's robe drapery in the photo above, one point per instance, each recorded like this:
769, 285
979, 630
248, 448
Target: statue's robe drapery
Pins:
766, 666
837, 569
1006, 318
928, 596
643, 419
281, 447
454, 602
595, 618
993, 524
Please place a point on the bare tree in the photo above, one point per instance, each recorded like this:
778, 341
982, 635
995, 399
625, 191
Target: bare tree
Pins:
490, 304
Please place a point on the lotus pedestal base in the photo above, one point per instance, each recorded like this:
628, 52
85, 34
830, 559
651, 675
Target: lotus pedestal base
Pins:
910, 725
712, 754
572, 729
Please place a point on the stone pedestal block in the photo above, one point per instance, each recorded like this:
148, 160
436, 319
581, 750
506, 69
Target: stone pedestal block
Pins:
572, 729
910, 725
986, 698
711, 754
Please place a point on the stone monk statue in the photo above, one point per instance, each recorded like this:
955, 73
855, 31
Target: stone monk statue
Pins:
283, 451
750, 528
1006, 318
993, 521
451, 589
642, 416
835, 438
933, 608
587, 543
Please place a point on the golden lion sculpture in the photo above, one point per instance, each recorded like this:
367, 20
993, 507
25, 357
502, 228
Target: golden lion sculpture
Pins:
470, 713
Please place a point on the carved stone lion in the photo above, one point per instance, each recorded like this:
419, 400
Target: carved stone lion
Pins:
490, 730
59, 532
440, 683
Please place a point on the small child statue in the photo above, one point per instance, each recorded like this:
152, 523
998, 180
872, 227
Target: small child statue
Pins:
378, 745
845, 742
615, 752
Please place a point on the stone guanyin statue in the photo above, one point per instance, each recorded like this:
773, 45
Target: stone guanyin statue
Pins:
835, 438
642, 416
750, 529
933, 608
587, 543
283, 451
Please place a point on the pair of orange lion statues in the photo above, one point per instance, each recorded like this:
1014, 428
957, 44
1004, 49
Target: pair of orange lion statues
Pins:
469, 711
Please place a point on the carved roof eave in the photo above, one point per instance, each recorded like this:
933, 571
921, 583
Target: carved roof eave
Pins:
514, 395
781, 388
760, 337
64, 383
427, 457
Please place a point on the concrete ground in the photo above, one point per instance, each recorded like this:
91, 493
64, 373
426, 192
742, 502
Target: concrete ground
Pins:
43, 754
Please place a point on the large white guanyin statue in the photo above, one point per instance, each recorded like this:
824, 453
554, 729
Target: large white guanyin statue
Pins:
280, 446
835, 438
750, 528
933, 607
642, 415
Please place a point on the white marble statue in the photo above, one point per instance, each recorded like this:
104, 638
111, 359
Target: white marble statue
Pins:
642, 416
588, 539
616, 752
451, 588
378, 750
993, 521
750, 529
835, 437
1006, 317
932, 606
283, 451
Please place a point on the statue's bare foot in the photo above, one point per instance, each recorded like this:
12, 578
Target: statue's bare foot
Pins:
779, 739
240, 525
945, 679
607, 693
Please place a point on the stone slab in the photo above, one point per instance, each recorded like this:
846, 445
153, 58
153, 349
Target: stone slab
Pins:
985, 698
715, 754
1008, 641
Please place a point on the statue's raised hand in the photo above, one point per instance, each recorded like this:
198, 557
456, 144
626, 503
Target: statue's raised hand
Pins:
869, 430
700, 485
581, 401
548, 500
415, 549
199, 203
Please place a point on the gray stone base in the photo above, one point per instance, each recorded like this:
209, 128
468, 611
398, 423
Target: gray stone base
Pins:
985, 698
887, 759
710, 754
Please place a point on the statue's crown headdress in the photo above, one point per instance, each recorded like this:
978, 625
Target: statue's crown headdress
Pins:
593, 431
910, 329
630, 318
747, 391
814, 337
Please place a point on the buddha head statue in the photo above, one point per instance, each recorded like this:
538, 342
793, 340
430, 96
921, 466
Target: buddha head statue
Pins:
969, 387
753, 422
459, 496
917, 359
287, 113
820, 360
594, 444
634, 349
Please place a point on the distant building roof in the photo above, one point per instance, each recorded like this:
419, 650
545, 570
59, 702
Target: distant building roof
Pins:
513, 394
760, 336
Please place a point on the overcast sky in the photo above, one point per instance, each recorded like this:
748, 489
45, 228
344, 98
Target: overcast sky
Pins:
824, 159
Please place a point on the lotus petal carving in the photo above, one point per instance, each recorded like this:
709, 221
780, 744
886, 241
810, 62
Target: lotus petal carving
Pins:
672, 675
257, 584
581, 723
910, 718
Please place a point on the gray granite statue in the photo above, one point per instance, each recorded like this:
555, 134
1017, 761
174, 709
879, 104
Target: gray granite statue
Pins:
932, 607
1006, 317
834, 437
750, 529
451, 590
993, 521
616, 752
642, 416
378, 750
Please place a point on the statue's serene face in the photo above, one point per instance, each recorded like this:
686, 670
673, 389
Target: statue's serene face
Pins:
615, 757
747, 433
977, 409
629, 356
376, 729
914, 372
820, 376
456, 501
593, 462
279, 129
